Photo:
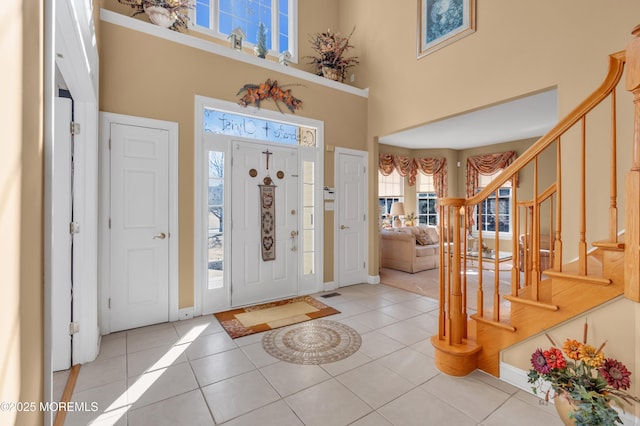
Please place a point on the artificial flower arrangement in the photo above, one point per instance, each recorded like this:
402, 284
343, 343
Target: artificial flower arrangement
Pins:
331, 61
590, 381
256, 93
176, 11
409, 220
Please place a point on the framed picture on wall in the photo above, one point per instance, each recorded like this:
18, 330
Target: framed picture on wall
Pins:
441, 22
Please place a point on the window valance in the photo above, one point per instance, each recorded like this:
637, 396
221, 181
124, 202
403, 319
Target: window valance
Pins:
487, 165
409, 166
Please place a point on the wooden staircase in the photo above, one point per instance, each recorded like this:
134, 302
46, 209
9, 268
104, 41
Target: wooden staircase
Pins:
539, 299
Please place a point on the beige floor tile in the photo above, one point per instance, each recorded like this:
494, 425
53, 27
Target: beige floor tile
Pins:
160, 384
288, 378
112, 345
411, 365
110, 401
375, 345
257, 355
344, 365
405, 333
275, 414
101, 372
154, 359
221, 366
150, 337
238, 395
210, 344
374, 319
516, 411
419, 408
186, 409
328, 403
375, 384
373, 419
400, 312
471, 396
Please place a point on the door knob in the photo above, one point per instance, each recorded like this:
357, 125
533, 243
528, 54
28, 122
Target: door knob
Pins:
160, 236
344, 227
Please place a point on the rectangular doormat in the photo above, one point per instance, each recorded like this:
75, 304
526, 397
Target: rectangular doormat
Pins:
267, 316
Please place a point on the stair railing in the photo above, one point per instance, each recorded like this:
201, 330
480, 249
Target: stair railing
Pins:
541, 213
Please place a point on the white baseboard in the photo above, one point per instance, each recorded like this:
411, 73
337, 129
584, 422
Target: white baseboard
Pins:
185, 313
518, 378
373, 279
330, 285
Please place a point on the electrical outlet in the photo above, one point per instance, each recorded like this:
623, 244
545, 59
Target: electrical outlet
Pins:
353, 78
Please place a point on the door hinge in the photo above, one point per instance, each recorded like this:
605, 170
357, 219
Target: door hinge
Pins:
109, 144
109, 223
364, 265
364, 169
364, 217
74, 228
74, 128
109, 303
74, 328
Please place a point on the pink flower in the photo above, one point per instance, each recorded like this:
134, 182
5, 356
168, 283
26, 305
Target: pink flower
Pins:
539, 362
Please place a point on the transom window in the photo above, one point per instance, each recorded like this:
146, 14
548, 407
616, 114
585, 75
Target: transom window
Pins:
278, 16
495, 211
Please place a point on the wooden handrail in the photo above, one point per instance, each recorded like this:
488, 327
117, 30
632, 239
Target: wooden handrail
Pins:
616, 67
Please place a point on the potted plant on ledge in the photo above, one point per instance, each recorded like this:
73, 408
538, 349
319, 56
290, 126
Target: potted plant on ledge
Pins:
332, 61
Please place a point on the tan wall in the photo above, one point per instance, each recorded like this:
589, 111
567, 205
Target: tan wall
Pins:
21, 203
518, 49
145, 76
313, 17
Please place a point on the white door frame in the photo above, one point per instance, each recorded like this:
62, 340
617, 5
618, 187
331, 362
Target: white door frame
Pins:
70, 49
337, 252
307, 284
106, 119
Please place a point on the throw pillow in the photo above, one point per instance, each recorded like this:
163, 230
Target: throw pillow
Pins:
422, 240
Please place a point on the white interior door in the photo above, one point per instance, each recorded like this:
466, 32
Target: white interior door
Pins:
139, 226
252, 278
351, 182
61, 237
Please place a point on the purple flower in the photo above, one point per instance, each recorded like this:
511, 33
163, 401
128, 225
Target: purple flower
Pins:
539, 362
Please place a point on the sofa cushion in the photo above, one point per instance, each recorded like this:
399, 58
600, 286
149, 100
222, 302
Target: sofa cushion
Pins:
423, 251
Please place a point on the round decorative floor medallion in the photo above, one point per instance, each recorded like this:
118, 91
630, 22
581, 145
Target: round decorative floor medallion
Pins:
312, 342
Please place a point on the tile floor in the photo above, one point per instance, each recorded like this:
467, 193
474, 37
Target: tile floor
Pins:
191, 373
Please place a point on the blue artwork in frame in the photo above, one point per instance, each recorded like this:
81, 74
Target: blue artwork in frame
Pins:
442, 22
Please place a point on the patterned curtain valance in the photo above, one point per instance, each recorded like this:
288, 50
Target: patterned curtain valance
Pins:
408, 166
487, 165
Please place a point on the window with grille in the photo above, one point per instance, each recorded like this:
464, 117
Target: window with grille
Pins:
426, 200
494, 211
279, 17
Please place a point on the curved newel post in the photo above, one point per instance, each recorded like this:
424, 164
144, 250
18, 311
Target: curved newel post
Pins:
454, 354
632, 233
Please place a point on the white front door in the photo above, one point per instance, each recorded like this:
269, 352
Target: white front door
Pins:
60, 237
252, 278
351, 183
139, 226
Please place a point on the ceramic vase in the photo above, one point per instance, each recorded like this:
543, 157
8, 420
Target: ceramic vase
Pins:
160, 16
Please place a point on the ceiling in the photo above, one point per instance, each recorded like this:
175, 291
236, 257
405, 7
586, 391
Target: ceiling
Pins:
523, 118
